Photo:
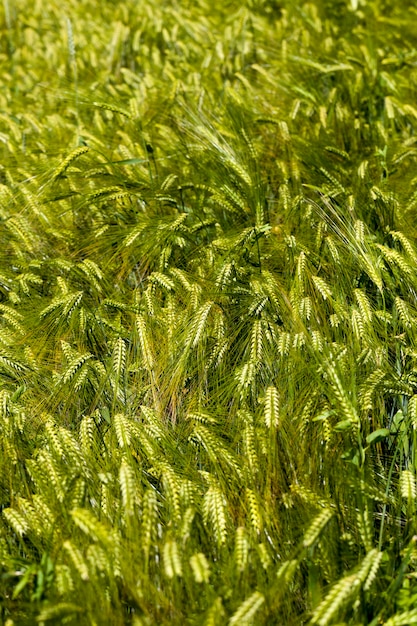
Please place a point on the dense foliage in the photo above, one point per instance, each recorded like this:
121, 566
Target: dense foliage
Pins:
208, 312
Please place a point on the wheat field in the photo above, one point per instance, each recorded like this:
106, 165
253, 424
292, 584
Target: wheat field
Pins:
208, 313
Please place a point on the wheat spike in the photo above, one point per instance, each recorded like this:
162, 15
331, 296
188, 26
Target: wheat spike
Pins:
215, 513
200, 568
241, 552
316, 528
172, 560
253, 510
271, 407
76, 559
92, 527
17, 521
128, 488
344, 591
408, 485
67, 162
244, 615
122, 428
